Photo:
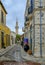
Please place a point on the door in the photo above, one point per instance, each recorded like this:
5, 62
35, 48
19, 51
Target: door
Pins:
2, 39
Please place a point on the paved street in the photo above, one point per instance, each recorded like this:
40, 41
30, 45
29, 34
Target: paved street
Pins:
13, 54
16, 53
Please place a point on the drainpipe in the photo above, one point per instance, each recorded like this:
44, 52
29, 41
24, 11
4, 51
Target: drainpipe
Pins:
40, 32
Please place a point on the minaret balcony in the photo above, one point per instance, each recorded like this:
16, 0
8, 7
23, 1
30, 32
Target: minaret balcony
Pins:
17, 27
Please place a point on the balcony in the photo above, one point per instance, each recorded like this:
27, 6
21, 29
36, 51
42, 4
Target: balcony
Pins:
30, 10
40, 6
30, 16
23, 29
26, 21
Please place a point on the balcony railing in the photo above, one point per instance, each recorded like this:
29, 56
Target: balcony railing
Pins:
40, 6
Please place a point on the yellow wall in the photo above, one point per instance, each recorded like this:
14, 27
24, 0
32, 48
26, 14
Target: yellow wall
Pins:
5, 28
6, 31
1, 9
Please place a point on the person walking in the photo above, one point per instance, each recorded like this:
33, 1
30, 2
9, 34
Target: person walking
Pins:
22, 43
26, 47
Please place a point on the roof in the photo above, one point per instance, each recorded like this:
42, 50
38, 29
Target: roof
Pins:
3, 7
13, 32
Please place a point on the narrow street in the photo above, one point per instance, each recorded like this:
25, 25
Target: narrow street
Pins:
17, 54
22, 32
15, 58
13, 54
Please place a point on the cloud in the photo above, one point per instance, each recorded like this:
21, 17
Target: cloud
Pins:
20, 31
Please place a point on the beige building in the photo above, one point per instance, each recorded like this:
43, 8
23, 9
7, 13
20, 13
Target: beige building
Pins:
35, 14
13, 36
26, 28
39, 28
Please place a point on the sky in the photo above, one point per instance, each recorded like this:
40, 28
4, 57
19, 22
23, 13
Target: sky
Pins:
15, 9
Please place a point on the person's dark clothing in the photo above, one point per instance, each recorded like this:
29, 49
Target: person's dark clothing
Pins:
26, 48
22, 43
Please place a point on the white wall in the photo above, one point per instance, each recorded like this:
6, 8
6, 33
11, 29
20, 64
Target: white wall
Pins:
37, 33
14, 36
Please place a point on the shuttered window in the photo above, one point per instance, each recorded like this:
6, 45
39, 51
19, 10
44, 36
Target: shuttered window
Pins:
2, 17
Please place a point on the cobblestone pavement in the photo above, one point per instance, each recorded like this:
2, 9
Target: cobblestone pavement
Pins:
17, 54
13, 54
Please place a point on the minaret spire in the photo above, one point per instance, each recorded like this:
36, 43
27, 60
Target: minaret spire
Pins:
16, 27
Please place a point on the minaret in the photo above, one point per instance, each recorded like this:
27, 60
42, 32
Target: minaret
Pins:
16, 27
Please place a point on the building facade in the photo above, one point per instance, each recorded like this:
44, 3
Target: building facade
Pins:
13, 36
22, 37
36, 16
39, 28
26, 28
4, 30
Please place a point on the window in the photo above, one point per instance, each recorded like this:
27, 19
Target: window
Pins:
2, 17
26, 19
40, 6
12, 39
8, 39
30, 9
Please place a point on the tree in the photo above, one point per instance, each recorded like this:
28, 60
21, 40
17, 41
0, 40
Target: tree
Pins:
18, 38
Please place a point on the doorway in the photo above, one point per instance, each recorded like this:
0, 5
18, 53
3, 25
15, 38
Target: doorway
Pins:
2, 39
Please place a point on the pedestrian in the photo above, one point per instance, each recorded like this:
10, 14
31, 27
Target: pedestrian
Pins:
22, 43
26, 47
